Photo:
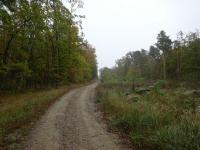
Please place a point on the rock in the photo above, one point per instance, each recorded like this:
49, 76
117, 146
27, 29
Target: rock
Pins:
198, 109
134, 97
192, 93
142, 90
127, 93
151, 87
197, 93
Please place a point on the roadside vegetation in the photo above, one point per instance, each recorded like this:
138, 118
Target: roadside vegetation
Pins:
157, 119
153, 96
18, 112
42, 49
42, 45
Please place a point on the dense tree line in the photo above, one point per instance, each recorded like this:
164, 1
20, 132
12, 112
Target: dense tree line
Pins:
166, 59
41, 45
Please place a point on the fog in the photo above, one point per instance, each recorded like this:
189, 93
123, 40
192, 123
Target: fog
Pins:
115, 27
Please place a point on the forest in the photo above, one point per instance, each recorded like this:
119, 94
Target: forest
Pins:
43, 55
152, 97
165, 60
42, 45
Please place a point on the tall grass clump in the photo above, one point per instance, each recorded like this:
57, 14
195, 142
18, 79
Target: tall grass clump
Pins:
18, 112
156, 121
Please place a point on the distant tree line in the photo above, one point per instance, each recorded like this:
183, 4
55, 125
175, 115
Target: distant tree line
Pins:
41, 45
166, 59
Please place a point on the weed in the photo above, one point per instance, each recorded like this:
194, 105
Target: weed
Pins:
157, 121
18, 111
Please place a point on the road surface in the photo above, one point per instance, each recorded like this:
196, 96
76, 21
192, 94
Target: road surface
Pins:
72, 124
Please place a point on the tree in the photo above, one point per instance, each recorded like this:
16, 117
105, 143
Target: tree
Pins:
182, 58
41, 41
154, 52
164, 44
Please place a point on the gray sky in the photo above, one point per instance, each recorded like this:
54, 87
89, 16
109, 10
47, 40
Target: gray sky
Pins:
115, 27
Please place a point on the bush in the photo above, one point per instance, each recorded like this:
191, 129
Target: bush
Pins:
158, 86
14, 76
184, 136
154, 122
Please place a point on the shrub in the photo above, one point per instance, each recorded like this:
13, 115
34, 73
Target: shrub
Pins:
14, 76
155, 122
184, 136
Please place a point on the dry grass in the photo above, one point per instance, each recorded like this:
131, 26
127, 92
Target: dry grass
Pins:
19, 111
158, 120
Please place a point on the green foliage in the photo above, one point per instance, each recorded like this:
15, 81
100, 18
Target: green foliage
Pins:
107, 76
164, 43
161, 118
158, 86
153, 122
180, 136
14, 76
18, 112
172, 60
40, 46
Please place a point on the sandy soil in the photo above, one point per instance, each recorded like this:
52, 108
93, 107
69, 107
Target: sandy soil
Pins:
72, 123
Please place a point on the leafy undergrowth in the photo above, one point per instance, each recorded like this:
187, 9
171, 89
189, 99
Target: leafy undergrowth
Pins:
156, 120
18, 112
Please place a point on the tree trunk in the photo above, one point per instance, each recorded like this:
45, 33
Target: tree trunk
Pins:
164, 66
6, 51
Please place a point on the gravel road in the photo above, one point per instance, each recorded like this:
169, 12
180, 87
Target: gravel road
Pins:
72, 123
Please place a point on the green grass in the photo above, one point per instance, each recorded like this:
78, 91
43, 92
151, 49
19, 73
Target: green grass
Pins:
159, 120
19, 111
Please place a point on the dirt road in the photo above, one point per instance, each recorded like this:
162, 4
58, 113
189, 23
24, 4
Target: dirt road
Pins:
72, 124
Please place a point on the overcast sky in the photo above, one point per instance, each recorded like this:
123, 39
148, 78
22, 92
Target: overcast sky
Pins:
115, 27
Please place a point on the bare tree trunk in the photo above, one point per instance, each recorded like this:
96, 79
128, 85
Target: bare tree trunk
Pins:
133, 86
6, 51
177, 64
164, 66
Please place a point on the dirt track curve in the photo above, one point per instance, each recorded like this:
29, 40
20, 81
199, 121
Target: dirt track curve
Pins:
72, 124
